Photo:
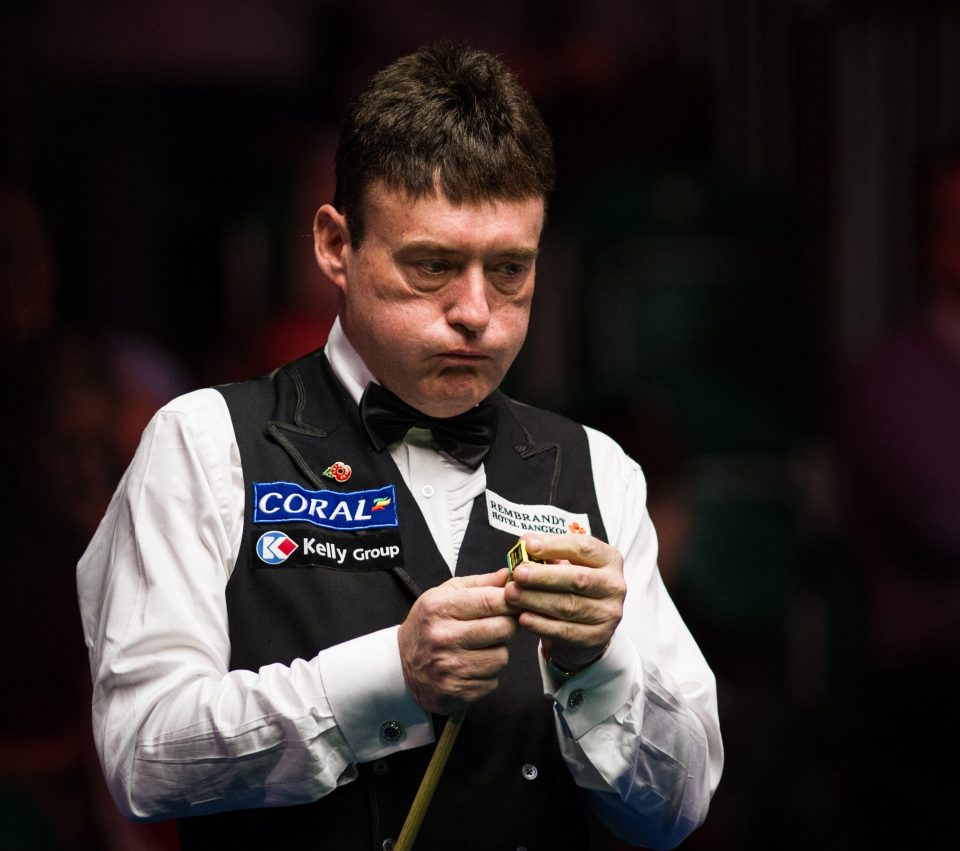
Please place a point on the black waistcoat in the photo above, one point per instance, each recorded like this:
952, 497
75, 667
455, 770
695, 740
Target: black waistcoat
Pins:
291, 426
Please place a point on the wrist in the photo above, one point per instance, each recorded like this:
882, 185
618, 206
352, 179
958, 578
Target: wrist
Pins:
561, 669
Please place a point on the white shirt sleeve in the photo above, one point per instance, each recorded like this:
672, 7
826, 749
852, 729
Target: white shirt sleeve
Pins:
639, 727
178, 733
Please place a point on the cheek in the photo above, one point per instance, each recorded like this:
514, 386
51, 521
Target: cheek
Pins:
403, 332
512, 323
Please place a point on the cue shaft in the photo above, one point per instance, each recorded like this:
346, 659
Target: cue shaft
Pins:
428, 785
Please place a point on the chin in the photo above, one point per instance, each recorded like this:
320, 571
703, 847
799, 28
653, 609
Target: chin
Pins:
448, 407
452, 401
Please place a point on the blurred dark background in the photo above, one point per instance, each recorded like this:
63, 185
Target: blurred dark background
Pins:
751, 278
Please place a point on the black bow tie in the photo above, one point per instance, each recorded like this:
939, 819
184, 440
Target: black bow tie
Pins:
467, 436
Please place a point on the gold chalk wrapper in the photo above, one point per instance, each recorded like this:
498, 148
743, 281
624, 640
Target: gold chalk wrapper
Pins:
518, 553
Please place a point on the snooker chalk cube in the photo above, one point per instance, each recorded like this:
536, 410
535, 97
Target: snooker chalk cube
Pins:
518, 553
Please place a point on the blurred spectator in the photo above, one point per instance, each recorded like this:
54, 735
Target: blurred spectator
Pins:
651, 436
78, 402
26, 269
900, 447
59, 473
301, 303
145, 377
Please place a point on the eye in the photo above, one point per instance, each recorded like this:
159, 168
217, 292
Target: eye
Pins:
428, 274
511, 270
433, 267
509, 276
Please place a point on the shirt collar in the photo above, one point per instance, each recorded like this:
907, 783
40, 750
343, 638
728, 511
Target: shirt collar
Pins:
346, 363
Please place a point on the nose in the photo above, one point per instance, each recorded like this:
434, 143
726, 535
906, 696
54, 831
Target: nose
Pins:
469, 307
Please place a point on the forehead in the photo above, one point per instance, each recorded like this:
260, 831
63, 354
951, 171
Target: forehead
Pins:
395, 217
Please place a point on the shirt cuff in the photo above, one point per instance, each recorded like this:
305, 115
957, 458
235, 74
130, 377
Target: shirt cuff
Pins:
374, 709
594, 694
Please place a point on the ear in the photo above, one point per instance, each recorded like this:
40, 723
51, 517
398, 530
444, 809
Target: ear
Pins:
331, 241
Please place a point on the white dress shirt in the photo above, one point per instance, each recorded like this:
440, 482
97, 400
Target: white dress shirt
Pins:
176, 729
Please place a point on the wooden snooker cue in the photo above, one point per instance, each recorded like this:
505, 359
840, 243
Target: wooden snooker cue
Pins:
428, 785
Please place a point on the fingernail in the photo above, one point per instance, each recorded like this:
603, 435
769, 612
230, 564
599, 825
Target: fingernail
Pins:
534, 545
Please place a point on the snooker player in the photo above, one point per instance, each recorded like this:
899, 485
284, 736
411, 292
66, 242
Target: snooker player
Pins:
300, 576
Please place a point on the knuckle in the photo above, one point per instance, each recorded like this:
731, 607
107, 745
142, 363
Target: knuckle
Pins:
431, 603
494, 631
568, 633
567, 606
618, 610
484, 608
609, 615
484, 669
436, 634
490, 602
582, 580
581, 545
617, 589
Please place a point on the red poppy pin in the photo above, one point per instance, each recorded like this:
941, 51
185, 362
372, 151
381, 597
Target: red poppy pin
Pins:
339, 471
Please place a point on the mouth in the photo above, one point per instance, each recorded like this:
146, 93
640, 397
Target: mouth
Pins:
463, 356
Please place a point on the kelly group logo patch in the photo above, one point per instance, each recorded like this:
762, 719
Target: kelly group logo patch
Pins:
286, 502
306, 548
275, 547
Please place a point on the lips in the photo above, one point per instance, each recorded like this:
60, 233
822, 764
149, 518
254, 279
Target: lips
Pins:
464, 356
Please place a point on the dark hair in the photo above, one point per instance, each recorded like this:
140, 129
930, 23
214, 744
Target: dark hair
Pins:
446, 115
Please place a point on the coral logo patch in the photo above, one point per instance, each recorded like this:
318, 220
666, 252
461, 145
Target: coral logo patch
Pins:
275, 547
286, 502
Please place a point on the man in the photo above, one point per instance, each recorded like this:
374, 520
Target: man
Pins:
269, 604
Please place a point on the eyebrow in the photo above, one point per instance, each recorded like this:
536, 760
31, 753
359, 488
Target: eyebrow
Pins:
517, 252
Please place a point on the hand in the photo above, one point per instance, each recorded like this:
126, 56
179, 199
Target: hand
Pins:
575, 602
453, 642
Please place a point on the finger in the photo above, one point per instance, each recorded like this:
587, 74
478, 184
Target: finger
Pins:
569, 633
575, 548
472, 690
452, 636
481, 664
445, 702
561, 606
481, 580
451, 600
488, 632
584, 581
466, 675
449, 668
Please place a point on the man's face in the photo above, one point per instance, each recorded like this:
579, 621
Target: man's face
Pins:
437, 297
